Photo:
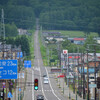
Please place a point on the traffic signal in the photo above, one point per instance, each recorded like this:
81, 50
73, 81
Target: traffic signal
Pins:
98, 82
36, 84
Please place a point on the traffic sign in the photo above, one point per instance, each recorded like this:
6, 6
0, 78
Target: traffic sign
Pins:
90, 70
27, 64
19, 54
92, 85
70, 76
9, 95
19, 89
8, 69
65, 51
20, 75
3, 84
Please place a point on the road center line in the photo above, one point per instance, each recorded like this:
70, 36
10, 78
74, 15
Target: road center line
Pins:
51, 85
41, 82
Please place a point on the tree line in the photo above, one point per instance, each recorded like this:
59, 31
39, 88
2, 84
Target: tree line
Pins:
54, 14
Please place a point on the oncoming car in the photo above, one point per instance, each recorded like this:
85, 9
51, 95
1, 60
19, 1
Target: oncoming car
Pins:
39, 97
46, 81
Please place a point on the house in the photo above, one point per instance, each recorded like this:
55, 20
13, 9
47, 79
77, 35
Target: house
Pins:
51, 33
79, 41
22, 31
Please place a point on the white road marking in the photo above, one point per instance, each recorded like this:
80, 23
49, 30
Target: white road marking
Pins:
41, 83
51, 86
32, 86
37, 68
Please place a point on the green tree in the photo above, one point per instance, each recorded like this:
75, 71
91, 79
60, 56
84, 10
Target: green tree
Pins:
10, 40
24, 42
11, 30
90, 41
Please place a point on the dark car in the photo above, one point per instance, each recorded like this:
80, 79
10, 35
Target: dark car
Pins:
40, 97
44, 75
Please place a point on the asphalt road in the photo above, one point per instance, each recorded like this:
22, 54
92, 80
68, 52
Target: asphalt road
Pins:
49, 91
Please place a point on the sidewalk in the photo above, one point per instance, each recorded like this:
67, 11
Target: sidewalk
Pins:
65, 90
20, 86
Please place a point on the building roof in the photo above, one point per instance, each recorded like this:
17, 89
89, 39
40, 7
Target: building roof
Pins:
78, 39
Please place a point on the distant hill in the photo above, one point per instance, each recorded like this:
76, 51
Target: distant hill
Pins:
81, 15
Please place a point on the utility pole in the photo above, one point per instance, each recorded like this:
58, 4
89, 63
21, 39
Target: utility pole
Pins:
2, 34
2, 25
95, 68
81, 73
78, 73
87, 77
74, 72
15, 79
83, 79
59, 52
48, 54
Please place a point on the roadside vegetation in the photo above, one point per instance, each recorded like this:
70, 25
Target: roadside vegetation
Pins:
43, 50
31, 39
76, 15
26, 43
74, 34
51, 50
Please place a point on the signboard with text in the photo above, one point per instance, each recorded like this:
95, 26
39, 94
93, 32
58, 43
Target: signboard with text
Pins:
27, 64
19, 54
8, 69
90, 70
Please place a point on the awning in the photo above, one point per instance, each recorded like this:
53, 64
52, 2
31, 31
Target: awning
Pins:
61, 76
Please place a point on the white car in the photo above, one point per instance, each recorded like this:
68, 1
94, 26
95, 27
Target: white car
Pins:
46, 81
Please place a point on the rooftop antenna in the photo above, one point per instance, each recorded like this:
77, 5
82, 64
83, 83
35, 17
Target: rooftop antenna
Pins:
2, 33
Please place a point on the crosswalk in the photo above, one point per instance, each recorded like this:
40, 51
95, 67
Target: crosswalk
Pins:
46, 90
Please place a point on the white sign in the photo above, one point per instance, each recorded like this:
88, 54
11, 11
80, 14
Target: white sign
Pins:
20, 75
3, 83
1, 94
65, 51
70, 76
92, 85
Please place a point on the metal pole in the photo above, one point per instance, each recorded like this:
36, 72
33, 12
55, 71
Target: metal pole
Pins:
6, 89
63, 85
15, 79
3, 93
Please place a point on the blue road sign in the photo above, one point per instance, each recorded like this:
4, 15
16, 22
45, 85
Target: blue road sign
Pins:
19, 89
19, 54
27, 64
8, 69
9, 95
92, 85
91, 70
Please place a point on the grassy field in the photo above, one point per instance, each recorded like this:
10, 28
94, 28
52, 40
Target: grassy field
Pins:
73, 33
